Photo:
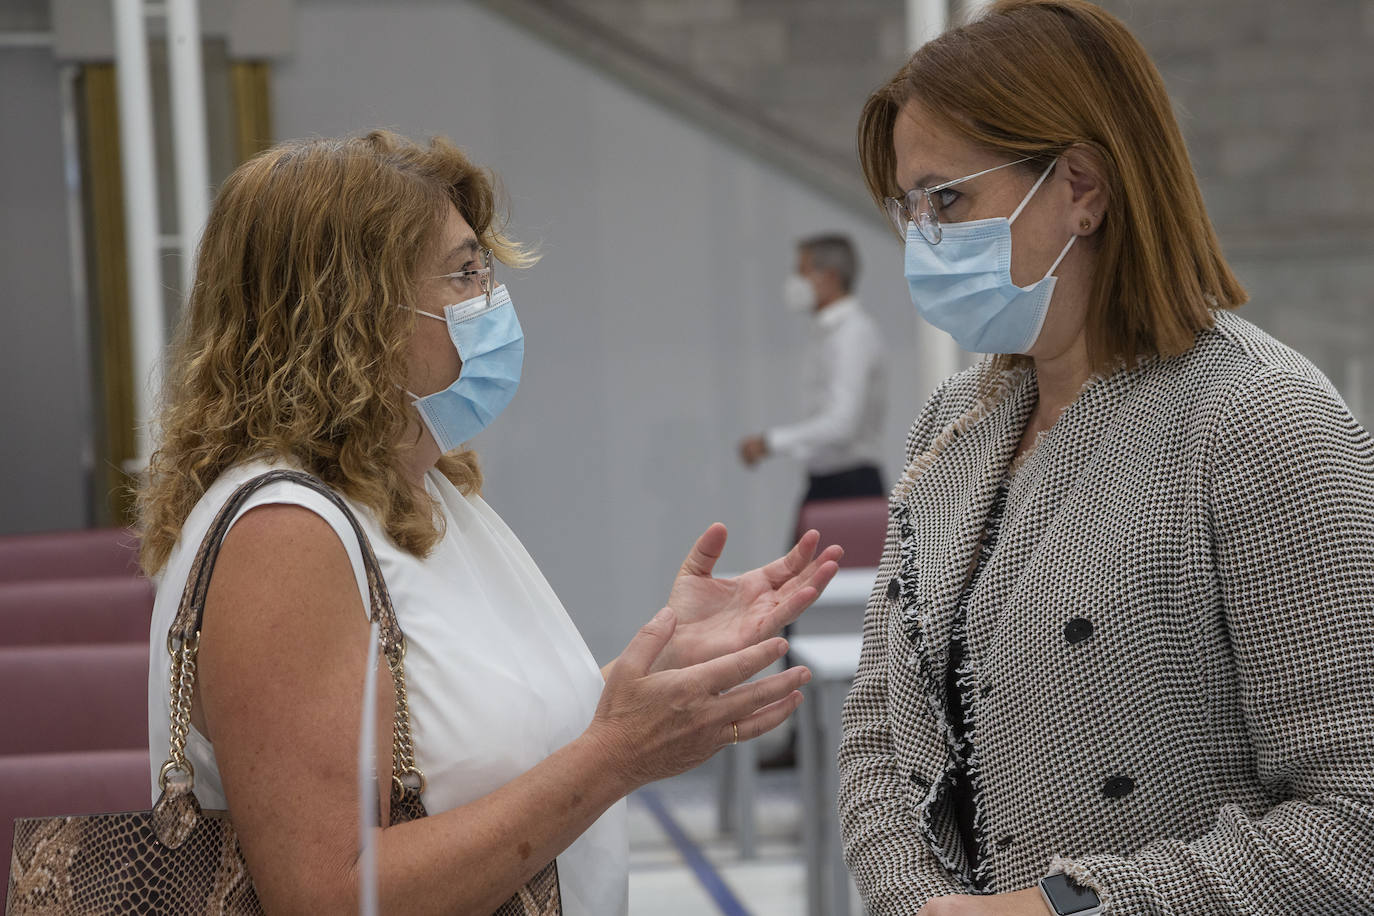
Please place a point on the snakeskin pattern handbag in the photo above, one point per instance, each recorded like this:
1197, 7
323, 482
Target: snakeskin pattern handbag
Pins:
176, 858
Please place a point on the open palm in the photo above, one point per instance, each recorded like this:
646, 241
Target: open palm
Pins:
718, 616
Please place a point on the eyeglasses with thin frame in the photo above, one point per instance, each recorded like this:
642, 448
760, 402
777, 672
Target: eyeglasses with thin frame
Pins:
918, 205
484, 275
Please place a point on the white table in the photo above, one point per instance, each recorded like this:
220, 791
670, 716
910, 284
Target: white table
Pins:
833, 660
838, 610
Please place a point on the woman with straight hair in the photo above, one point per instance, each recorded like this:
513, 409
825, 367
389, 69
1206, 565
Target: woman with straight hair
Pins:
345, 323
1119, 656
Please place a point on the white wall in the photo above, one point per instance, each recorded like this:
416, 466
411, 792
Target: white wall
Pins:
656, 335
44, 441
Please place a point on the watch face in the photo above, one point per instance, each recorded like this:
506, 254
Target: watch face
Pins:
1067, 897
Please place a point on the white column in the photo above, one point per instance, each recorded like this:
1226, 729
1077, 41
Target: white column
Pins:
972, 9
924, 20
940, 355
146, 318
71, 162
188, 130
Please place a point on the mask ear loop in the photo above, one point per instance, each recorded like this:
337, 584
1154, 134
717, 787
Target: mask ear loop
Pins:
1027, 199
413, 396
1055, 265
1035, 187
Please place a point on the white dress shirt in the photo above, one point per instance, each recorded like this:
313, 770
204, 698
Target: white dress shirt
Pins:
845, 394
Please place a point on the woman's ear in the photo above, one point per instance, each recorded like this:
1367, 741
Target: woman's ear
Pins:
1082, 167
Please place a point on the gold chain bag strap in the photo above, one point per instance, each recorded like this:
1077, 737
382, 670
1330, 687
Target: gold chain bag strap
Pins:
176, 858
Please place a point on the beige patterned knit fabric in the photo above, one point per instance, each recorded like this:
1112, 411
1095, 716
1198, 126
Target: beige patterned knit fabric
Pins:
1172, 645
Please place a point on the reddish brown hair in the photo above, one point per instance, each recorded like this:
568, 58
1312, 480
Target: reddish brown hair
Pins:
1036, 77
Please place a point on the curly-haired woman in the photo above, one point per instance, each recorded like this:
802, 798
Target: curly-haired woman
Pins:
1124, 625
344, 323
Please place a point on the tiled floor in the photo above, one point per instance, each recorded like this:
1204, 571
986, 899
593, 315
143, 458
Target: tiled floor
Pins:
771, 884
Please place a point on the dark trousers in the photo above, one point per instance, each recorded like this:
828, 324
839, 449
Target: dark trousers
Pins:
864, 480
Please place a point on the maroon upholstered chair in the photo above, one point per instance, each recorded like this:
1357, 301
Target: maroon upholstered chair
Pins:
858, 525
69, 611
87, 782
69, 554
73, 698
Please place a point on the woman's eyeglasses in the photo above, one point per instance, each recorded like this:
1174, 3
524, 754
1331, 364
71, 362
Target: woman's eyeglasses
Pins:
918, 205
483, 275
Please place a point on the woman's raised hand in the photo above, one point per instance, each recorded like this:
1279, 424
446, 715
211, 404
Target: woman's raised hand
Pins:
719, 616
655, 725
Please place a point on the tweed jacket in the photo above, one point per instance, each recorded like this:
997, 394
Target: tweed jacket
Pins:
1170, 649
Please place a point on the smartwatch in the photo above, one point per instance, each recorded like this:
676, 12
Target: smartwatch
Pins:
1067, 897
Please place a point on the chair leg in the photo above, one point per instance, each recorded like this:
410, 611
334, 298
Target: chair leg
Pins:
725, 793
744, 761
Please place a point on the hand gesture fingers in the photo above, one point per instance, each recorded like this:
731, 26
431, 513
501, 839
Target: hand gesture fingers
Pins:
647, 645
720, 674
801, 565
799, 593
656, 725
791, 607
701, 559
825, 563
748, 699
794, 561
764, 720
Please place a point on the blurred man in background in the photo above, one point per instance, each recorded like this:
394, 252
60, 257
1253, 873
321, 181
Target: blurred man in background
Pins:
840, 438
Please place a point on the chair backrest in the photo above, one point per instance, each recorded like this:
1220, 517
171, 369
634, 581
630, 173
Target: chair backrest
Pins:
858, 525
73, 698
68, 554
89, 782
51, 612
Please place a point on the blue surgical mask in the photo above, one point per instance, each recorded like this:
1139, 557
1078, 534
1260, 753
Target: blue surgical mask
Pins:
492, 347
963, 284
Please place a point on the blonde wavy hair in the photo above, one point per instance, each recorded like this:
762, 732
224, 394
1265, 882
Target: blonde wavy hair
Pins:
293, 344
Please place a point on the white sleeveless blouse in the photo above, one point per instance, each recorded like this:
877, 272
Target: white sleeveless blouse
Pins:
497, 675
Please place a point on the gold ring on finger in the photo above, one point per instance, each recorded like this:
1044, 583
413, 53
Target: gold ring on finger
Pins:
735, 726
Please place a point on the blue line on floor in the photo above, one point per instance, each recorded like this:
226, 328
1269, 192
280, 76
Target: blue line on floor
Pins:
705, 872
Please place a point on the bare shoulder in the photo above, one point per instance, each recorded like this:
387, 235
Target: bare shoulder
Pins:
286, 538
284, 567
282, 607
